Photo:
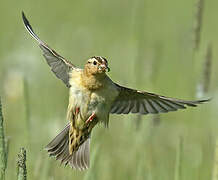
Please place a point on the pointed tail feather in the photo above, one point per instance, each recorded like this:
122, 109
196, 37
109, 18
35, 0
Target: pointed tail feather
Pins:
80, 159
59, 148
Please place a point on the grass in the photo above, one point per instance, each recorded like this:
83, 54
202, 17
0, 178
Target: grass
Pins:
21, 165
3, 149
198, 23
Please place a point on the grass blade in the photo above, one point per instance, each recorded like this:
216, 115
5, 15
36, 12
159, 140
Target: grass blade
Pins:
21, 165
207, 69
198, 23
3, 154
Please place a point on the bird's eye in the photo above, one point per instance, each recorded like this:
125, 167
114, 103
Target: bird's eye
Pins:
94, 62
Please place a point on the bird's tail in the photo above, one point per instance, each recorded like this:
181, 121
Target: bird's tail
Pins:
77, 156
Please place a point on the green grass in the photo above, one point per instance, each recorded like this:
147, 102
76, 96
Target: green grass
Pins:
3, 148
149, 46
21, 165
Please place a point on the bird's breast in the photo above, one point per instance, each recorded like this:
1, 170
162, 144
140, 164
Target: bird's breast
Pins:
98, 101
89, 102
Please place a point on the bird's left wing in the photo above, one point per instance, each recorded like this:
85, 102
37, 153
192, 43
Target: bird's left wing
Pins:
59, 65
134, 101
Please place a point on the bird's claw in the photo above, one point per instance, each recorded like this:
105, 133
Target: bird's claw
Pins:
90, 119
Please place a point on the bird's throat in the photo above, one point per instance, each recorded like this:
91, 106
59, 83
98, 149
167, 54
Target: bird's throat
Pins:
92, 81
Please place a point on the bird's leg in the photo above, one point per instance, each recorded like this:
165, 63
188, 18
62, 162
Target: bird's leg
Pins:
77, 111
93, 115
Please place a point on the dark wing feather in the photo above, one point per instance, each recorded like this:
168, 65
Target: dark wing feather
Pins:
59, 66
134, 101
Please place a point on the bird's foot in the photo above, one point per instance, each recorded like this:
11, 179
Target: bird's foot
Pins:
93, 115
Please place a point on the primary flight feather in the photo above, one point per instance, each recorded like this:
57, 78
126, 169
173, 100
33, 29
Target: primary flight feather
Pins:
92, 97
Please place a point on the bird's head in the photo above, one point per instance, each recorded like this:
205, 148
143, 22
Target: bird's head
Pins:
96, 65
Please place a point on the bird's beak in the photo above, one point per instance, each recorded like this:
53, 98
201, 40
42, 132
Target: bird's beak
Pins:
104, 67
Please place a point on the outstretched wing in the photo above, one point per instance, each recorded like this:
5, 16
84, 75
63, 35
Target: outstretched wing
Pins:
134, 101
59, 66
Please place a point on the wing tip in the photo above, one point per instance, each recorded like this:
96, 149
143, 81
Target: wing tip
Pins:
25, 20
205, 100
202, 101
29, 28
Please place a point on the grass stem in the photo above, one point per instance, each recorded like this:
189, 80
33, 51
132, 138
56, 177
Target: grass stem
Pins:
3, 154
21, 165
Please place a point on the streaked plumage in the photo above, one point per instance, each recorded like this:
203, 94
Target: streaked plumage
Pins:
92, 97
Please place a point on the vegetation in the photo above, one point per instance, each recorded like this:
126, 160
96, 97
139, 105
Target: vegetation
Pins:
3, 152
166, 47
21, 165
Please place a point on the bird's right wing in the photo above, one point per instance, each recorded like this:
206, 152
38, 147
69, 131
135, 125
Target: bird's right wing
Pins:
59, 65
134, 101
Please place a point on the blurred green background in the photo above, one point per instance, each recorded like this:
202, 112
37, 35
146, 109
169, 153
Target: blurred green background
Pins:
149, 46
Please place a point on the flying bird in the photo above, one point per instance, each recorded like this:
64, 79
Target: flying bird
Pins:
92, 97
